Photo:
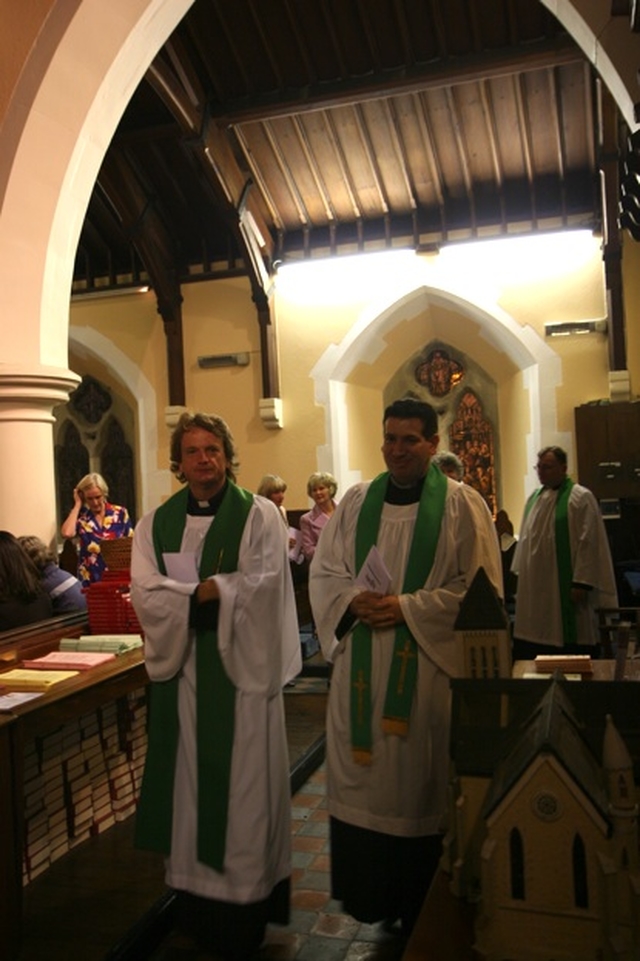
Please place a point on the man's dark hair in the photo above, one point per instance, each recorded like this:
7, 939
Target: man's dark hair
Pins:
559, 454
408, 408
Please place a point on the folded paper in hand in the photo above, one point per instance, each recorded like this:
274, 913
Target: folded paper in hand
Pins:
295, 549
181, 566
373, 575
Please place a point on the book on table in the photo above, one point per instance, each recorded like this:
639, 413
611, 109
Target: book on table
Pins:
110, 643
572, 663
25, 679
69, 660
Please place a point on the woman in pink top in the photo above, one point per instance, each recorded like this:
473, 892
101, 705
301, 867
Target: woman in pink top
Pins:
322, 488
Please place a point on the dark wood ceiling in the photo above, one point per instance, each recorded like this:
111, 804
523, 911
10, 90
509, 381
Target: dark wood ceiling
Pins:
272, 130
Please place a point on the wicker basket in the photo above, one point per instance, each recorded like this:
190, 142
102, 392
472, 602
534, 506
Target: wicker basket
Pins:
117, 553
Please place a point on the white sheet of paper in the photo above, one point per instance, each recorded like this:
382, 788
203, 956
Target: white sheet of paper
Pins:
16, 698
373, 574
295, 552
181, 566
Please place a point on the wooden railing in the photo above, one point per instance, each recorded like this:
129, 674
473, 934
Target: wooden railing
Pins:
39, 638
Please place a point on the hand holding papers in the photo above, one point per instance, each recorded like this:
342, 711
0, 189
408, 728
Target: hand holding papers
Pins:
374, 575
374, 606
295, 546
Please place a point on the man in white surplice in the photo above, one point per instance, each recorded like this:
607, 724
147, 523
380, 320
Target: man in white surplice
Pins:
393, 651
211, 586
563, 564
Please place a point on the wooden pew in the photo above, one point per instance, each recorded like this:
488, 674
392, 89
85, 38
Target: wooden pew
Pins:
39, 638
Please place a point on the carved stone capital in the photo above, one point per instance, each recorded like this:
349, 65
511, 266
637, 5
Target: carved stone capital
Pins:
30, 395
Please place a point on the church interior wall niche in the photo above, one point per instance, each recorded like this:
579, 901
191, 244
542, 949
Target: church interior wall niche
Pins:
466, 400
93, 432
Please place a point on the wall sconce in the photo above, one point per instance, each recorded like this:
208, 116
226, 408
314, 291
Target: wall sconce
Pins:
564, 328
224, 360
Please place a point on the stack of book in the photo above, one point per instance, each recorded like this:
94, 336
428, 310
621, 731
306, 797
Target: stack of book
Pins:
137, 737
110, 643
30, 679
69, 661
36, 850
567, 663
82, 778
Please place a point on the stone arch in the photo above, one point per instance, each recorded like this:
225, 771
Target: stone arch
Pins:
367, 341
79, 78
81, 70
154, 484
608, 43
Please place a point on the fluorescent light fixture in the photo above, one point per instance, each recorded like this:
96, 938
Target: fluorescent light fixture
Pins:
565, 328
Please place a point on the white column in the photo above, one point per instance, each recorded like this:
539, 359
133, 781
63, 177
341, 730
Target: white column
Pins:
27, 481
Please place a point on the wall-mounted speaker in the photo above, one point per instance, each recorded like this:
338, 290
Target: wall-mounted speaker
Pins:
224, 360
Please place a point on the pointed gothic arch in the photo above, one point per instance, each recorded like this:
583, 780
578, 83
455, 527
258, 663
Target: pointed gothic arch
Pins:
367, 341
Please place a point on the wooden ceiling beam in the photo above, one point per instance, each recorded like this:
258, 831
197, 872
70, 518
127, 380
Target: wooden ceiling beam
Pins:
314, 167
492, 136
345, 169
368, 33
556, 123
437, 175
185, 70
287, 174
412, 79
175, 97
264, 39
148, 235
242, 216
400, 151
303, 49
363, 133
463, 155
217, 155
261, 183
525, 126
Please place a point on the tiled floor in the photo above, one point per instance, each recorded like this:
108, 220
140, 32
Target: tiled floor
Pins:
317, 931
90, 903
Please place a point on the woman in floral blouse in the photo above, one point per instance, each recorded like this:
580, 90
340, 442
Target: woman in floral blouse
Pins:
93, 519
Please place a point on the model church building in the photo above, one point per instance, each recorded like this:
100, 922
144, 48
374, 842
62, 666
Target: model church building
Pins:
543, 813
482, 626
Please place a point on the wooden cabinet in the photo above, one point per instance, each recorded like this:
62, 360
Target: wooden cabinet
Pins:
608, 448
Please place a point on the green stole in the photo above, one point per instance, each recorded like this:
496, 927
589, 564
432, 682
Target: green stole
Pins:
563, 558
404, 665
215, 695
